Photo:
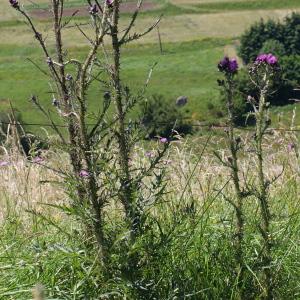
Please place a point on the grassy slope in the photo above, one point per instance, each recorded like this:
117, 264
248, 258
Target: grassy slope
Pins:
185, 68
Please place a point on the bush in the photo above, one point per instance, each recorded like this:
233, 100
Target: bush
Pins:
273, 46
286, 34
160, 117
254, 38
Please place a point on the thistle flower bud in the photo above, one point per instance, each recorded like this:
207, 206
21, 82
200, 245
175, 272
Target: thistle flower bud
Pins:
93, 10
238, 140
69, 77
106, 96
181, 101
109, 3
55, 102
49, 61
14, 4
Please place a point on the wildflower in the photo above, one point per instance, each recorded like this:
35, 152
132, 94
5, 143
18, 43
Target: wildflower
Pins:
163, 140
181, 101
14, 4
290, 147
84, 174
4, 163
269, 59
93, 9
150, 154
38, 160
227, 65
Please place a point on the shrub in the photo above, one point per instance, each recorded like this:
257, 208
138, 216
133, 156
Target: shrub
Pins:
273, 46
254, 38
258, 37
160, 117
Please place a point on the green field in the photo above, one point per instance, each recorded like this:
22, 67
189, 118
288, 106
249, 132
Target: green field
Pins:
195, 35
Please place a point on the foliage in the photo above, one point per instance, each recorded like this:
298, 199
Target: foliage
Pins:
258, 35
274, 47
161, 118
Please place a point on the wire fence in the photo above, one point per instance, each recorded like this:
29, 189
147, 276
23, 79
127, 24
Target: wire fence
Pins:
294, 128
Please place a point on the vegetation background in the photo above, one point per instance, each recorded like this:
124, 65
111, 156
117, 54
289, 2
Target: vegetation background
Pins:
187, 249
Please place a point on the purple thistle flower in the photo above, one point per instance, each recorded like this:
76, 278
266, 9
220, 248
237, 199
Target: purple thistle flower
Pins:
4, 163
109, 2
261, 58
14, 4
84, 174
269, 59
227, 65
223, 64
163, 140
233, 65
93, 9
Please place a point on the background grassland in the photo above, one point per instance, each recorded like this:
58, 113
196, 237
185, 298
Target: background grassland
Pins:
195, 35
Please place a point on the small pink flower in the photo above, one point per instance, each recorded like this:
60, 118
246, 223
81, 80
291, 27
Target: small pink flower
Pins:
163, 140
38, 160
4, 163
290, 147
150, 154
84, 174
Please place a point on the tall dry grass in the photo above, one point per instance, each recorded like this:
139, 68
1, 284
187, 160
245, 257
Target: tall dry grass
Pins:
26, 184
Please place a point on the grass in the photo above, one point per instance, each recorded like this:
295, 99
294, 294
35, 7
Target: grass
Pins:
246, 5
197, 241
189, 68
187, 250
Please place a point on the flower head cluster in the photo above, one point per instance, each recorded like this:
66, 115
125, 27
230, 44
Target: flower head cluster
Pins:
269, 59
14, 4
227, 65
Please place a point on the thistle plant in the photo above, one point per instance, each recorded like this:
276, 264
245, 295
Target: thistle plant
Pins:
264, 69
101, 153
229, 67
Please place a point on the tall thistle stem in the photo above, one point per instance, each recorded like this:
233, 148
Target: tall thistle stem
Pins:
261, 126
125, 194
264, 68
229, 68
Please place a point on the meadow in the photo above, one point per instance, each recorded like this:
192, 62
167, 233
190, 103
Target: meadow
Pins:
194, 37
213, 215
